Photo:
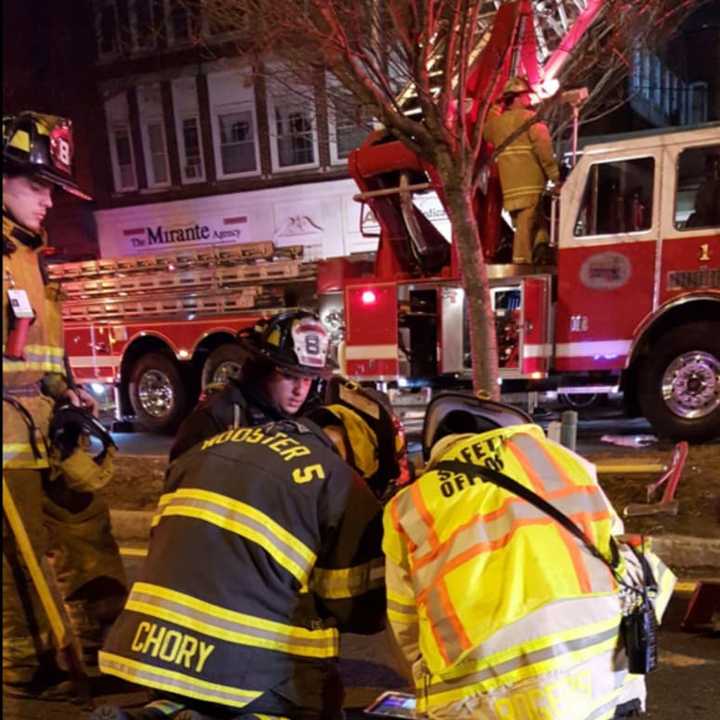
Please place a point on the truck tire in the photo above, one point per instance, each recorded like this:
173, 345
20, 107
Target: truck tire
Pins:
223, 363
679, 383
157, 393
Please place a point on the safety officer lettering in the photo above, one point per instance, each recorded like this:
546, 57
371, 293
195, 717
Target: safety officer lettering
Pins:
288, 448
172, 646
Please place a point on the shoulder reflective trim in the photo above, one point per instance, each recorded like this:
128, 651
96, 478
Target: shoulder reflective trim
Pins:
545, 473
244, 520
527, 664
416, 521
517, 149
21, 456
32, 363
173, 681
229, 625
401, 608
348, 582
51, 350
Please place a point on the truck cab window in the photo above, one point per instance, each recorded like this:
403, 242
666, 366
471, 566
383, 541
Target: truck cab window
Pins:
617, 198
697, 197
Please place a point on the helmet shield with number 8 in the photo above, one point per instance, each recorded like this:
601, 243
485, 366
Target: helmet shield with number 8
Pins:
42, 146
295, 342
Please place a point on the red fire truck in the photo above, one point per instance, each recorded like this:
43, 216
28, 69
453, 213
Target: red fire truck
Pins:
632, 302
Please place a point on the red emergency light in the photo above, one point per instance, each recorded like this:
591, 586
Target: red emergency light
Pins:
368, 297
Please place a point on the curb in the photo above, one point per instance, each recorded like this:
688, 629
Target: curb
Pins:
681, 551
686, 551
131, 525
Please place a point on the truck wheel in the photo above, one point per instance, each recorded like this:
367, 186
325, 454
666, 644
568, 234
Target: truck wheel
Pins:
581, 401
223, 363
157, 393
679, 383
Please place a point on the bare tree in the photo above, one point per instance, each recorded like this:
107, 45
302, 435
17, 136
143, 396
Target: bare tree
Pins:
386, 55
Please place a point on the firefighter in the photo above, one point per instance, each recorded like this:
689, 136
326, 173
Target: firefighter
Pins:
265, 547
525, 166
37, 159
287, 354
500, 611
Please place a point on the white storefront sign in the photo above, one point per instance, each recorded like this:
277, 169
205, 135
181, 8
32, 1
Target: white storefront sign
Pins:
321, 216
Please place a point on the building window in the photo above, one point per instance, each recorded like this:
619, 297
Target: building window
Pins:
294, 135
234, 123
123, 158
237, 142
156, 154
147, 21
188, 129
618, 198
349, 123
192, 169
150, 109
107, 30
120, 141
697, 197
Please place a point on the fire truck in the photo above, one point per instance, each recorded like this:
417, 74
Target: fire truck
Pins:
632, 301
159, 328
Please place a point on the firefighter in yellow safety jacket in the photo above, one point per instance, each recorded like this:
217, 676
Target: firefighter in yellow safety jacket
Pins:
37, 159
499, 611
265, 547
525, 166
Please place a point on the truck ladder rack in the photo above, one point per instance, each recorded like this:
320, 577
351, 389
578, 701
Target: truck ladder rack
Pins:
214, 256
206, 278
188, 307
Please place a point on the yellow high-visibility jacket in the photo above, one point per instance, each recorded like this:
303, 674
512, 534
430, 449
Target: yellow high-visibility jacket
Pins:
486, 591
43, 353
527, 163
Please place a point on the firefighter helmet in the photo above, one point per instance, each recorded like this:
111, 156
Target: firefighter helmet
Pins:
41, 145
69, 423
516, 86
295, 341
72, 429
454, 413
374, 438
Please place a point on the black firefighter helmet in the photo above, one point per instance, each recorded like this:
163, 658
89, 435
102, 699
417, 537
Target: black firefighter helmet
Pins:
454, 413
294, 341
41, 145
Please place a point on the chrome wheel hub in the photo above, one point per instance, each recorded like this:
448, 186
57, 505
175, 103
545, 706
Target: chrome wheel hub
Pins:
691, 385
155, 393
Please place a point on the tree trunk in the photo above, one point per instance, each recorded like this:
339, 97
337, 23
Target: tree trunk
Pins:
481, 320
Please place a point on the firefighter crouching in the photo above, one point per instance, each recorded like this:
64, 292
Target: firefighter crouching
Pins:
287, 354
37, 158
265, 547
500, 610
525, 165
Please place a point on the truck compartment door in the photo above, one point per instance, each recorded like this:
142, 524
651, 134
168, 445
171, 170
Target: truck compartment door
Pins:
371, 349
535, 348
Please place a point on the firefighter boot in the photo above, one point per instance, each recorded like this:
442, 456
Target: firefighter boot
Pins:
156, 710
49, 683
92, 619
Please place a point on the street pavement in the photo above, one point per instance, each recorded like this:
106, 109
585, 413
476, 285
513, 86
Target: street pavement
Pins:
684, 686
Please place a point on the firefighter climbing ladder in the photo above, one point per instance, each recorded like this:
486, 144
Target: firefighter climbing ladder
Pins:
196, 282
